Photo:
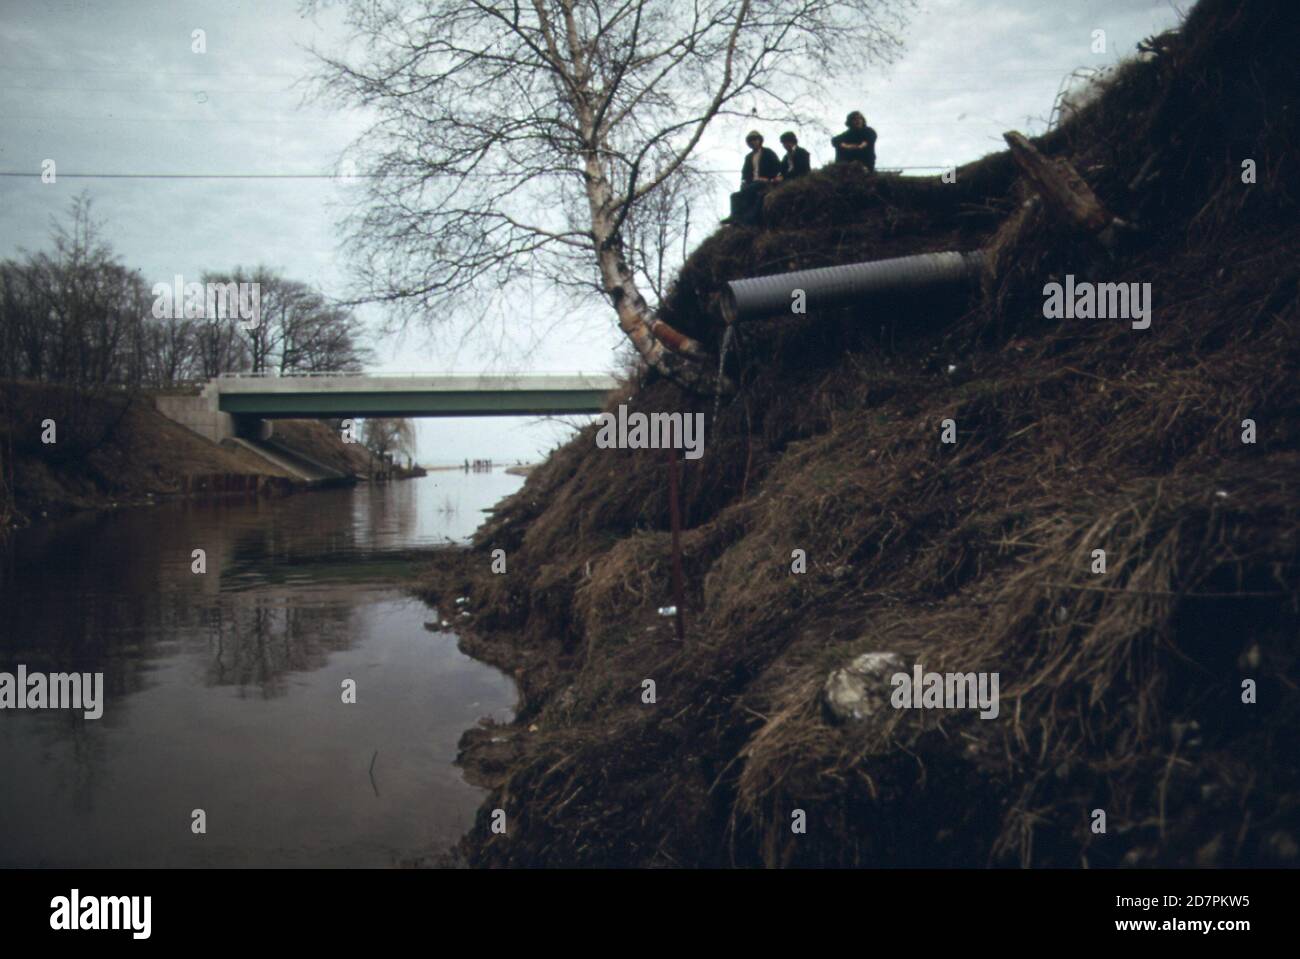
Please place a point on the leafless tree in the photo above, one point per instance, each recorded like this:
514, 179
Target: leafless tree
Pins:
299, 330
520, 140
75, 314
70, 314
24, 335
321, 337
170, 351
388, 437
219, 345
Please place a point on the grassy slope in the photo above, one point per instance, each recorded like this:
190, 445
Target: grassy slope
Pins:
315, 439
1073, 435
111, 450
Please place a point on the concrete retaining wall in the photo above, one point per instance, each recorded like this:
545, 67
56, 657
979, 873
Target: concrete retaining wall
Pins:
199, 414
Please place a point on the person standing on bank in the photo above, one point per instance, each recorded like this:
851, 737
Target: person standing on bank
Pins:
762, 168
857, 144
796, 162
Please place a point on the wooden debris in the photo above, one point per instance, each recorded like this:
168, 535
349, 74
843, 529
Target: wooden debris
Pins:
1066, 193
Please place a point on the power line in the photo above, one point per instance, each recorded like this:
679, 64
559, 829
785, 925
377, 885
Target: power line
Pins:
202, 176
253, 176
160, 91
148, 73
172, 118
881, 77
317, 120
325, 176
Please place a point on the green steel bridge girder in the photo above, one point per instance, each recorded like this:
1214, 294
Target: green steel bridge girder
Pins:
332, 405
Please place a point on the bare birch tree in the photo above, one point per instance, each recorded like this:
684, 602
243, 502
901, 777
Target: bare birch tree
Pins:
518, 139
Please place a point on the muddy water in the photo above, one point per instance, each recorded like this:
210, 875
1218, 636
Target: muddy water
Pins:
223, 690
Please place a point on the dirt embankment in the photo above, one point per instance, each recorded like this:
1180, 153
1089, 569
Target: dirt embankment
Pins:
111, 448
1120, 691
314, 439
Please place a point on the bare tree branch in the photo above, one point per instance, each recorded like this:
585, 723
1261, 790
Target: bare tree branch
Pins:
553, 140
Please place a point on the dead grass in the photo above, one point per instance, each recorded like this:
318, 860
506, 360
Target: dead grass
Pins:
1120, 691
115, 448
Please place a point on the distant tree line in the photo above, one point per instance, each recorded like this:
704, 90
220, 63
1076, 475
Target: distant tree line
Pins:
76, 314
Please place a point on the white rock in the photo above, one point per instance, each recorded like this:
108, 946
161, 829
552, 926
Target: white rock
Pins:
862, 688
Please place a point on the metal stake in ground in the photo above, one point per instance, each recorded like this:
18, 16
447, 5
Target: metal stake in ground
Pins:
676, 515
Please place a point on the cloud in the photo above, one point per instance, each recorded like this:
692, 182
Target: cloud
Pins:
118, 89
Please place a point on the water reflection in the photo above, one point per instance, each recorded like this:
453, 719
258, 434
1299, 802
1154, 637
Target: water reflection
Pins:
223, 690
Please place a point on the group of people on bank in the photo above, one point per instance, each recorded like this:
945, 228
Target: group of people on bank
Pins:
763, 169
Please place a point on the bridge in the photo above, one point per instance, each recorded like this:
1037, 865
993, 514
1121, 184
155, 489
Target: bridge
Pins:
411, 394
241, 404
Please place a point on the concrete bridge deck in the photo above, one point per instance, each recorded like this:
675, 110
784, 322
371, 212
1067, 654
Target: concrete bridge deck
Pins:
239, 404
413, 394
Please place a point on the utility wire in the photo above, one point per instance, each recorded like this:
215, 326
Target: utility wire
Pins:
320, 176
201, 176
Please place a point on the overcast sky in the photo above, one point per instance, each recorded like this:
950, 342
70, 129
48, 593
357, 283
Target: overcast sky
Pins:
113, 87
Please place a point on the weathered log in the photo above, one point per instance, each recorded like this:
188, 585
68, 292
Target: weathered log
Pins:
1065, 191
677, 341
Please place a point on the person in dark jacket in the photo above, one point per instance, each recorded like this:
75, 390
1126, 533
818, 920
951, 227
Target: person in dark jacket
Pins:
762, 168
857, 144
796, 162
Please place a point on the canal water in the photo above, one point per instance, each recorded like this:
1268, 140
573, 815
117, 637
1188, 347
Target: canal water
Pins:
223, 691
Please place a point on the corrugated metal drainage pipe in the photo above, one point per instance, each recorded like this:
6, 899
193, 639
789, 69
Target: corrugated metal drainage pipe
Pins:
851, 283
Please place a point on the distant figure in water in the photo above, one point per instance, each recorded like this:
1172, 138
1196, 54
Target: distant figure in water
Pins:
857, 144
796, 162
761, 169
